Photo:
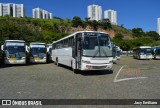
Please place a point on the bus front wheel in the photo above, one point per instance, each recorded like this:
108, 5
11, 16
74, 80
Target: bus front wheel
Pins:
74, 70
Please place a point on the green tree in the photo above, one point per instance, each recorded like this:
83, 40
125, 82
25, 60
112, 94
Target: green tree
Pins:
76, 21
138, 32
88, 21
95, 25
142, 41
106, 24
118, 36
154, 35
125, 45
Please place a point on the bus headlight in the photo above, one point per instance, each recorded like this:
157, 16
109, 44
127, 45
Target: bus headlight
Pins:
23, 57
111, 61
88, 62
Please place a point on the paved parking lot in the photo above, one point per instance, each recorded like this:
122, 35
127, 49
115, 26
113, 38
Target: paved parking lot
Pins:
130, 79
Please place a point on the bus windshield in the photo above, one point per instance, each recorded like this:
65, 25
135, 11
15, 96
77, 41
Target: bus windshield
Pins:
146, 51
38, 51
15, 51
118, 53
158, 51
96, 45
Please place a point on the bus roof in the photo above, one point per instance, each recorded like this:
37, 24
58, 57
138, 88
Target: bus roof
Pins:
156, 47
145, 47
76, 33
14, 41
49, 44
37, 43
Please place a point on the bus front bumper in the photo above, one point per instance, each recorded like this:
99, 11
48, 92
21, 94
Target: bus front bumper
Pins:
157, 57
114, 60
96, 66
7, 61
37, 60
146, 57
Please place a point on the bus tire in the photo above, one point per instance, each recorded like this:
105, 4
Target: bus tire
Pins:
74, 70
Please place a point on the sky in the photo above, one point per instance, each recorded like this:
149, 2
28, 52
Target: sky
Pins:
131, 13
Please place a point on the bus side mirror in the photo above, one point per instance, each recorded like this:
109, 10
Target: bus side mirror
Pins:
154, 50
27, 49
2, 47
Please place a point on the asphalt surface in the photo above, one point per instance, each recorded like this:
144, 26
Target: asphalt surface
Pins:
130, 79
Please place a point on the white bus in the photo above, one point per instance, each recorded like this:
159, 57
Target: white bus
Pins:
156, 52
143, 52
49, 52
84, 50
118, 52
14, 52
114, 52
38, 52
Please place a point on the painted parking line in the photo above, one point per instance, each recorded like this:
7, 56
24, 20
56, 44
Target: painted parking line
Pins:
125, 79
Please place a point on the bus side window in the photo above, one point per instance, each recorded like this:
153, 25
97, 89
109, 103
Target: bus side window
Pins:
53, 46
73, 47
60, 44
57, 45
66, 43
71, 42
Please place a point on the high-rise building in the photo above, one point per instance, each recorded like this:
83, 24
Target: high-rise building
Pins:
14, 10
5, 9
111, 15
18, 10
95, 12
158, 26
40, 13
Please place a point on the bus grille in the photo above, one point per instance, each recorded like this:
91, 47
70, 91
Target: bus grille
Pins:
98, 67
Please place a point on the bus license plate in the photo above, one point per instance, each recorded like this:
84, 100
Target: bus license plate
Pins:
11, 58
36, 58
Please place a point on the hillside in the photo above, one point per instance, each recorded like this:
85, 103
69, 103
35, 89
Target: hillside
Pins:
115, 29
47, 31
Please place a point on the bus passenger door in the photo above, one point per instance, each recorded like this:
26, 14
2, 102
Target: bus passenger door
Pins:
78, 50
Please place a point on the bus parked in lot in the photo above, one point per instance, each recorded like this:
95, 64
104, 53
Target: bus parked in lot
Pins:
1, 57
14, 52
49, 52
114, 52
38, 52
143, 52
84, 50
135, 51
156, 52
118, 52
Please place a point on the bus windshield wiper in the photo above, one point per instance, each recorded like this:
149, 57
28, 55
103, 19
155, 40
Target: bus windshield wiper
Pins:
95, 53
104, 52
